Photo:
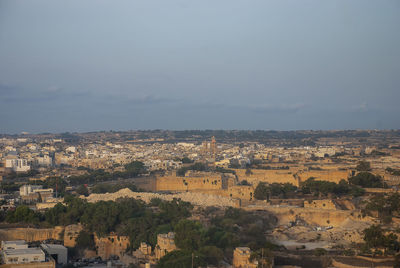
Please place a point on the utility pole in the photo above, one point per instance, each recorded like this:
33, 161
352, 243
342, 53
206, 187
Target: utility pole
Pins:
262, 258
192, 259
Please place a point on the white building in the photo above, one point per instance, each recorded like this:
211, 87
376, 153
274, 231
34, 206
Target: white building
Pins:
17, 165
17, 252
15, 244
44, 160
20, 256
70, 149
58, 252
28, 189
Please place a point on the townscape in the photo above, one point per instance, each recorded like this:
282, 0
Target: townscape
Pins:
201, 198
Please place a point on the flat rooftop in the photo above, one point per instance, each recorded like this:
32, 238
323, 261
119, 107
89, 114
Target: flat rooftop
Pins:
13, 252
14, 242
53, 246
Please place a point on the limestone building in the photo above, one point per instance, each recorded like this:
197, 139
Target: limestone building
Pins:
165, 244
241, 258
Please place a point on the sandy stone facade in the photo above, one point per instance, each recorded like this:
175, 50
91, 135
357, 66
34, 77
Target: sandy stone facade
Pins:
71, 232
165, 244
111, 245
31, 234
321, 204
241, 258
201, 182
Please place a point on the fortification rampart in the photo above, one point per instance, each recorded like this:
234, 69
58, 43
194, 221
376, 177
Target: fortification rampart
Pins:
111, 245
320, 204
71, 232
293, 176
31, 234
312, 216
268, 176
242, 192
325, 175
174, 183
360, 261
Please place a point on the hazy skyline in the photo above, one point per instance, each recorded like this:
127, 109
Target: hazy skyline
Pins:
119, 65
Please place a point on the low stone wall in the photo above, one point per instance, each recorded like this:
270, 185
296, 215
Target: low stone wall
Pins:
360, 261
379, 190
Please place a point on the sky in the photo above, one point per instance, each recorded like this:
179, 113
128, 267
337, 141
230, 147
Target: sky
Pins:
89, 65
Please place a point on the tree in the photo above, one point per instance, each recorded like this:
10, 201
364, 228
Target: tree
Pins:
261, 192
85, 240
325, 187
244, 183
23, 214
135, 168
186, 160
264, 257
189, 235
180, 259
82, 190
363, 166
367, 180
55, 214
181, 172
212, 254
57, 184
320, 251
375, 237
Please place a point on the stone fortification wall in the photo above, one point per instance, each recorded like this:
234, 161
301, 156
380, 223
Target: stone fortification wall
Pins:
345, 204
325, 175
174, 183
293, 176
268, 176
199, 199
242, 192
321, 204
111, 245
165, 244
359, 261
71, 232
146, 183
313, 216
31, 234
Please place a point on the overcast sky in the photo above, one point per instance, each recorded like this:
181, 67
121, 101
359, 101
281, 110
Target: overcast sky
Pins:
84, 65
